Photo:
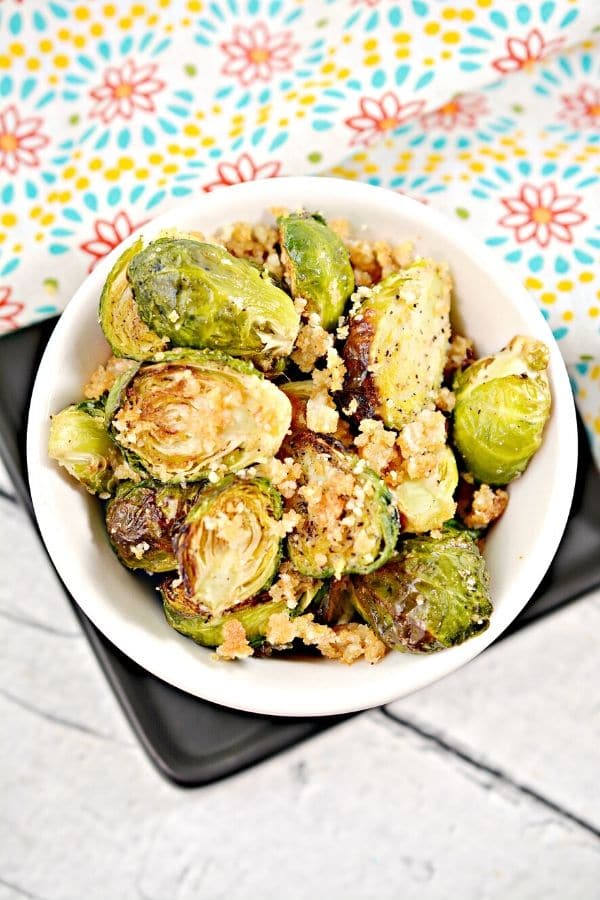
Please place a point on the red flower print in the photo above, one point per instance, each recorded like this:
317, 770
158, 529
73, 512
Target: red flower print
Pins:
463, 110
9, 309
243, 169
108, 235
521, 54
20, 140
126, 89
378, 116
255, 55
582, 110
541, 213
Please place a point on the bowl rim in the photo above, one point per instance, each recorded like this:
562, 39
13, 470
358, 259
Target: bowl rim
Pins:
441, 663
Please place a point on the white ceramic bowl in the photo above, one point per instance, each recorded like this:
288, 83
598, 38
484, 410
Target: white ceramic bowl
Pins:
491, 304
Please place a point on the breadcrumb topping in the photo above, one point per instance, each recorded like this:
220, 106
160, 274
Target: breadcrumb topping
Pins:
235, 644
282, 473
312, 343
103, 378
331, 378
376, 445
347, 643
291, 586
487, 505
445, 400
420, 442
255, 242
374, 260
321, 415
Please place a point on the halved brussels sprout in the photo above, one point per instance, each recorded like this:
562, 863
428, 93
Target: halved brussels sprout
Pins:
183, 615
348, 522
229, 547
317, 265
142, 521
119, 317
426, 503
397, 343
197, 412
433, 594
79, 441
199, 295
502, 405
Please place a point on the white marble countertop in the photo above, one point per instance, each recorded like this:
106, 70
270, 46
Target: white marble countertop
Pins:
483, 786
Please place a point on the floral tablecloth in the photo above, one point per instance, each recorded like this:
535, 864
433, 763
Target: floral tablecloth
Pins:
487, 109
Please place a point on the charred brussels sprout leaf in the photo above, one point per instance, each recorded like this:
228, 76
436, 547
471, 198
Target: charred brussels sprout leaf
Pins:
426, 503
397, 344
79, 441
199, 295
184, 616
433, 594
196, 412
142, 521
317, 266
230, 545
348, 522
502, 405
120, 320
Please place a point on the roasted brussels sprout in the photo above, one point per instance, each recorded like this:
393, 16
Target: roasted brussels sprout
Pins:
197, 412
199, 295
426, 503
120, 321
433, 594
502, 405
317, 266
348, 522
79, 441
229, 547
143, 519
397, 343
184, 616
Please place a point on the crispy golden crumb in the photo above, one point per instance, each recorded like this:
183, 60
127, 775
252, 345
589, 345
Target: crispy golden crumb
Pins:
235, 644
445, 400
321, 414
460, 353
103, 378
346, 643
487, 505
312, 343
420, 443
291, 586
340, 226
256, 242
282, 473
374, 260
331, 378
376, 445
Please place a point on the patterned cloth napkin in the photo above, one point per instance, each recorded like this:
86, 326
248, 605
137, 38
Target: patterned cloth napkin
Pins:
488, 109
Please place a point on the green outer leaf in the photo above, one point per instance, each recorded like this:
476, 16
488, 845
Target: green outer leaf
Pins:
258, 571
79, 442
318, 266
499, 425
433, 594
118, 314
502, 405
117, 392
199, 295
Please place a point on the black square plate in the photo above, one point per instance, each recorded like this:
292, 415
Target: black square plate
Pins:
193, 742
